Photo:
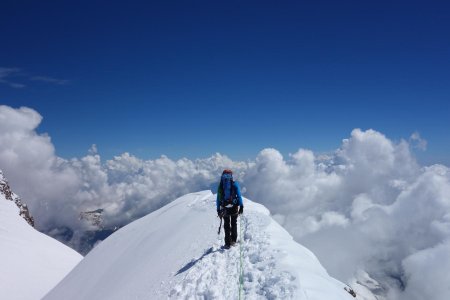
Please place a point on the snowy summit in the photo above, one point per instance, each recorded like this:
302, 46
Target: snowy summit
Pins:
175, 252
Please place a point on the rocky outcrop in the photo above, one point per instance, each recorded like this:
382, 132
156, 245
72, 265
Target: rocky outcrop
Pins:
5, 190
93, 217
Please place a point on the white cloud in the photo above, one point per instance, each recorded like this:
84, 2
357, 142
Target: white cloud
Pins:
49, 79
367, 207
418, 142
9, 76
7, 73
30, 164
427, 273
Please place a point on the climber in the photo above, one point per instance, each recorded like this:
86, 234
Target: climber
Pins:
229, 205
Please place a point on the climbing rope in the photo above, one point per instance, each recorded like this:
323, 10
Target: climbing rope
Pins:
241, 265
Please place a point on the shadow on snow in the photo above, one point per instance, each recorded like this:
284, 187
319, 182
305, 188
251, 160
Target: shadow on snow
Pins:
194, 261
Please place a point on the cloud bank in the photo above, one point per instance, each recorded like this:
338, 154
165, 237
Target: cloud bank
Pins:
369, 206
126, 188
368, 210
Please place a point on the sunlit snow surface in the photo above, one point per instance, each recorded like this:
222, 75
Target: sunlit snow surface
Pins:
175, 252
31, 263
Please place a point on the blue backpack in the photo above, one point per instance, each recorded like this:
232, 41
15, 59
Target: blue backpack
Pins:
228, 190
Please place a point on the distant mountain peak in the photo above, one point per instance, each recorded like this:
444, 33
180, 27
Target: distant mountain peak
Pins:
6, 191
94, 217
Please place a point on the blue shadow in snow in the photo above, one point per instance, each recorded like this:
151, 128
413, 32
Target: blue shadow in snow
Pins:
194, 261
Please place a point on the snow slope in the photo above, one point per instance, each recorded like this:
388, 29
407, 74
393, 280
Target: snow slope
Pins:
175, 253
31, 263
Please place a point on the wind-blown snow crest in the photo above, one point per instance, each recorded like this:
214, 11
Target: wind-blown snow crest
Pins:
175, 253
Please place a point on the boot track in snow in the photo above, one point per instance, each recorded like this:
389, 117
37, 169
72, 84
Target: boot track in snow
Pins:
238, 272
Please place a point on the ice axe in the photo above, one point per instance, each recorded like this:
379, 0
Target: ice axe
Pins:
221, 213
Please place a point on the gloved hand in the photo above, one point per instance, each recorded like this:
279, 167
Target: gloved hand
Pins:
218, 212
241, 209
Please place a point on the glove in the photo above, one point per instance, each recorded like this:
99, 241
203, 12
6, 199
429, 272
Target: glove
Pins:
218, 212
241, 209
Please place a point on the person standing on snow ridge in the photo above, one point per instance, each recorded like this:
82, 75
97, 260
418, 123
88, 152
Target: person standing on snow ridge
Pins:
229, 205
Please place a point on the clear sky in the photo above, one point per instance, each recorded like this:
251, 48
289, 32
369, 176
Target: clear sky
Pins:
191, 78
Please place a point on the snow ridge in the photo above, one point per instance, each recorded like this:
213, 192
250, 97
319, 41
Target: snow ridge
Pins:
175, 253
31, 263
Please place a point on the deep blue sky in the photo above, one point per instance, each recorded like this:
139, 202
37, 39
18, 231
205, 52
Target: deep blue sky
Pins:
190, 78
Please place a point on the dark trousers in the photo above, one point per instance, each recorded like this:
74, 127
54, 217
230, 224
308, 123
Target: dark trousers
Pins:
230, 225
